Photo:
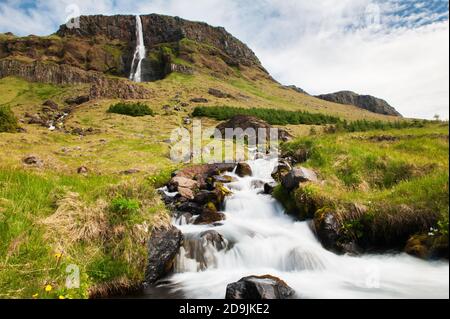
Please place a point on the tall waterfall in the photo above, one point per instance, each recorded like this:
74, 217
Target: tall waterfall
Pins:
139, 53
261, 239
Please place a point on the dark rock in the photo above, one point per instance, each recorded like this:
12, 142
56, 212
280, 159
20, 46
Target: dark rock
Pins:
205, 170
163, 247
296, 176
243, 169
281, 170
33, 160
199, 100
366, 102
209, 215
204, 197
219, 93
214, 238
51, 104
301, 155
430, 246
259, 287
269, 187
82, 170
190, 207
78, 100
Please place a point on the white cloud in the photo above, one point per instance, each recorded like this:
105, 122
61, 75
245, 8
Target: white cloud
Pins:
321, 46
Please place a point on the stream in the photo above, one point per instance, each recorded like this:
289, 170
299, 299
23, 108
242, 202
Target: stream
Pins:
262, 239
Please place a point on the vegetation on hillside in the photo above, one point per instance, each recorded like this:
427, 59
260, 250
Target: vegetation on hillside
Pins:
53, 223
130, 109
283, 117
8, 121
401, 176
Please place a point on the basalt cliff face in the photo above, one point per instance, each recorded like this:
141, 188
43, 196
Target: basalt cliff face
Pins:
104, 45
366, 102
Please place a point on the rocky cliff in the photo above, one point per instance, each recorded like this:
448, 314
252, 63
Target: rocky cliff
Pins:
105, 45
159, 29
366, 102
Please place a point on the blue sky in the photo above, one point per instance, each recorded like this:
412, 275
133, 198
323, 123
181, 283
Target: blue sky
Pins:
394, 49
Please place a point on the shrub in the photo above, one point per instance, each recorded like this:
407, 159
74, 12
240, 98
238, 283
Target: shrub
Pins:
130, 109
8, 122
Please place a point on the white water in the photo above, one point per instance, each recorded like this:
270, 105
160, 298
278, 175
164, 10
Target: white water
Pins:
139, 53
263, 240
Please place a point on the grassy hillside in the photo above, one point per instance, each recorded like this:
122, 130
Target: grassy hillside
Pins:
400, 176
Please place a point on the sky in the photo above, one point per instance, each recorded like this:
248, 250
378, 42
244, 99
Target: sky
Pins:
397, 50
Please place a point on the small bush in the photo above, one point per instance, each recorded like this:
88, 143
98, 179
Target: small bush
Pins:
130, 109
8, 122
123, 210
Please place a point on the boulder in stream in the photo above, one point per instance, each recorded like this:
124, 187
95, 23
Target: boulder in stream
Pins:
163, 247
243, 169
259, 287
296, 176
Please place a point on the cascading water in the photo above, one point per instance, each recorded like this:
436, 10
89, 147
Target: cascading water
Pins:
261, 239
139, 53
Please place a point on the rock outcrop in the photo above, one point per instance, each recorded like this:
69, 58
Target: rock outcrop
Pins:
159, 29
164, 245
259, 287
366, 102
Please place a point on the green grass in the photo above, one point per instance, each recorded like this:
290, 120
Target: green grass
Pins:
131, 109
38, 219
402, 182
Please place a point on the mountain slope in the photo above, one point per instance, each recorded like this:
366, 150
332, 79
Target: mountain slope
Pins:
189, 57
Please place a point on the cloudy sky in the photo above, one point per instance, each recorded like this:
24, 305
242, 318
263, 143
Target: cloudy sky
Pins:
394, 49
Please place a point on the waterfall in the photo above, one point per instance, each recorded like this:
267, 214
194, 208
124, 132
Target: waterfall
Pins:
262, 239
139, 53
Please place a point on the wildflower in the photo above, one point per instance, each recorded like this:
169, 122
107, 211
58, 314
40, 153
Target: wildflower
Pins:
35, 296
58, 255
61, 297
48, 288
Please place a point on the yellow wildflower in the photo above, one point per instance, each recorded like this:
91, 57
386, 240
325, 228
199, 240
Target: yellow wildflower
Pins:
35, 296
58, 255
48, 288
61, 297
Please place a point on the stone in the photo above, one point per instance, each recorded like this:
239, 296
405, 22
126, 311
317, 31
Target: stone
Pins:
199, 100
281, 170
190, 207
204, 197
184, 182
163, 247
51, 104
186, 192
209, 215
269, 187
78, 100
214, 238
243, 169
259, 287
82, 170
296, 176
224, 179
219, 93
33, 160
